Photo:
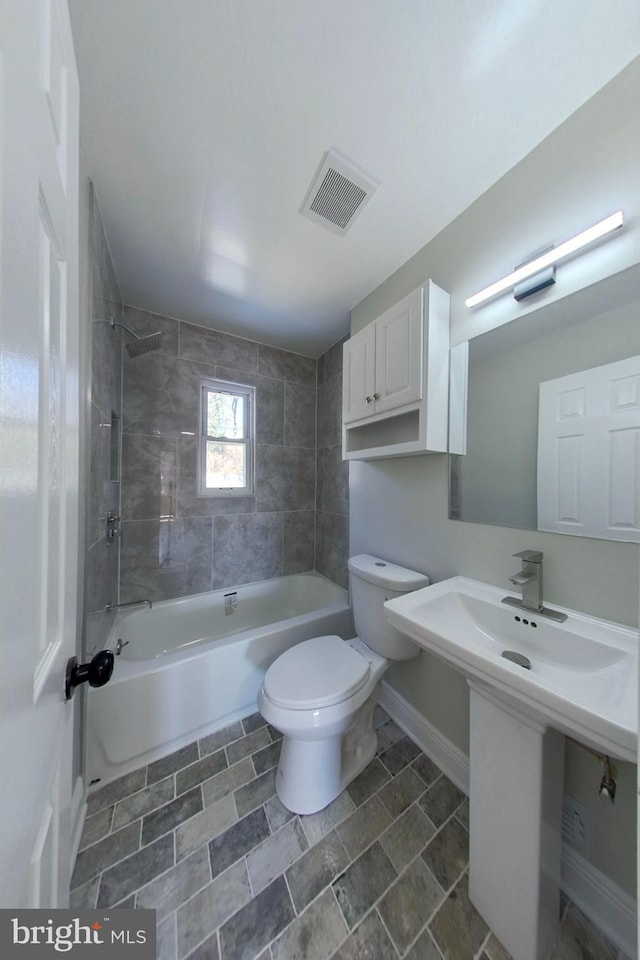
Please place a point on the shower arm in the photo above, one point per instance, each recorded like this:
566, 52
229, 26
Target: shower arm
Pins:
140, 345
132, 333
113, 323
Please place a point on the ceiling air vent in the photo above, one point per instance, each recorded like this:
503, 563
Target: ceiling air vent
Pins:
338, 193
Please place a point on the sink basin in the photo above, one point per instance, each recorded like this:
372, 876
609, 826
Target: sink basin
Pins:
583, 678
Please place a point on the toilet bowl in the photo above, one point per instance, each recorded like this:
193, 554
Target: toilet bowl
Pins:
321, 693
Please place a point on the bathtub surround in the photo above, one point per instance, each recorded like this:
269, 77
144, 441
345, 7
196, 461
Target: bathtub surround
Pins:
103, 495
176, 543
201, 837
332, 492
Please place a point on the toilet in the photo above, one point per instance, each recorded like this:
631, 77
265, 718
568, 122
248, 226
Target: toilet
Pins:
321, 694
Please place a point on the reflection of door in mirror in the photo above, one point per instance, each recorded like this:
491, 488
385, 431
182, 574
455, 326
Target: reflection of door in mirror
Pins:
494, 404
589, 452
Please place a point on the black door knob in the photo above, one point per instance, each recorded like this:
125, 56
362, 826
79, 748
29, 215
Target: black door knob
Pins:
97, 672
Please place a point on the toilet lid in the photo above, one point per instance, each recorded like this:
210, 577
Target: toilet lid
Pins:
315, 673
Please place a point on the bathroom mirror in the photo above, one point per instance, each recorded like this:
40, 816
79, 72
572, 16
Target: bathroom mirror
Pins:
496, 482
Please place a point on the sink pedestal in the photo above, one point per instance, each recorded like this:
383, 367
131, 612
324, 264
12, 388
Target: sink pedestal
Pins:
517, 768
583, 681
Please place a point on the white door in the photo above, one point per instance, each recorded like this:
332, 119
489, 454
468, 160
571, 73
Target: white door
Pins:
39, 412
589, 452
399, 353
358, 375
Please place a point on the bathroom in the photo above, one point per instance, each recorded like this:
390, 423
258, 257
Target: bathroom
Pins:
309, 511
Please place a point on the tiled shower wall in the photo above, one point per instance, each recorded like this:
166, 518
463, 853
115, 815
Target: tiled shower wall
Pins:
332, 496
105, 301
175, 543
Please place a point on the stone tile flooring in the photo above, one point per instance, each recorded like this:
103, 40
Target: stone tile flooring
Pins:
381, 873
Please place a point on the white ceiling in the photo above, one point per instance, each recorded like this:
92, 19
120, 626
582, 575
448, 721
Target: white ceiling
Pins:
204, 121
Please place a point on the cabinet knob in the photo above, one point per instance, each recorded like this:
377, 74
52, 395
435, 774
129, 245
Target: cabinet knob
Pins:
368, 399
376, 396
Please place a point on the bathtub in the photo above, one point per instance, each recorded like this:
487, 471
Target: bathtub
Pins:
190, 666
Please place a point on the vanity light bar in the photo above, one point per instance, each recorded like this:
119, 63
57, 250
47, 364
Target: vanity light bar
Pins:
547, 259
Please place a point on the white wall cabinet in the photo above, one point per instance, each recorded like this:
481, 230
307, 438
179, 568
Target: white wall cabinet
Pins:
382, 364
396, 380
359, 375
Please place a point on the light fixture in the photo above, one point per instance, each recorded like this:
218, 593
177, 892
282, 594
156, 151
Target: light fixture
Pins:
552, 256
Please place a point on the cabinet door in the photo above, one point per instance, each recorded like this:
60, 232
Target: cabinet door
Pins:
399, 334
358, 375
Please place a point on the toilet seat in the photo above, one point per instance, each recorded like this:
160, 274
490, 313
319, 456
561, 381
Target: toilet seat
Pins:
316, 673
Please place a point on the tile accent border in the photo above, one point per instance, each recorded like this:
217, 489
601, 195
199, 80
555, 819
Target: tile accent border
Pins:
607, 905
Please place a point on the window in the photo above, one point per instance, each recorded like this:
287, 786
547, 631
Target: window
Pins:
226, 439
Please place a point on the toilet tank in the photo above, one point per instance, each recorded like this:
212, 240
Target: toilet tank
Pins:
373, 581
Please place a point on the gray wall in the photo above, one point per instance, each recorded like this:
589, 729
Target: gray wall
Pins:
175, 543
398, 508
103, 494
332, 498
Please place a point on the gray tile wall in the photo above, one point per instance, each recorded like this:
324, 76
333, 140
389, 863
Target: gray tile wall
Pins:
332, 494
174, 542
101, 570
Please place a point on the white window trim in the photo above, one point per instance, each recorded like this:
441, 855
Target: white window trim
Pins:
207, 385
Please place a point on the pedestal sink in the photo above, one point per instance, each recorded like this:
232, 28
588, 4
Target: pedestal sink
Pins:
580, 679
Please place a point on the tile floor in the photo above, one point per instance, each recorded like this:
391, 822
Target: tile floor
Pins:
379, 874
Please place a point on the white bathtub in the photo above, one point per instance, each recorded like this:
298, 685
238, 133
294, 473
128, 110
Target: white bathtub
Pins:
188, 668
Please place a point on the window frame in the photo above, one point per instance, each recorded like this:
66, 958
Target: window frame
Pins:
215, 385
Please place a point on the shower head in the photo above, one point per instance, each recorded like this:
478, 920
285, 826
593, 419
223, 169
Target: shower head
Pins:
139, 345
144, 344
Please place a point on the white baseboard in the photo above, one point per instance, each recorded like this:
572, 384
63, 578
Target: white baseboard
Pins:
608, 906
451, 760
78, 816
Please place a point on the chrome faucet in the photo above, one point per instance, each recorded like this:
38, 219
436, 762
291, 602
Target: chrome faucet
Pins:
530, 579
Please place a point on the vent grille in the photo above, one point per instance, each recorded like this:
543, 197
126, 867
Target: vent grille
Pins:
575, 825
337, 199
338, 193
